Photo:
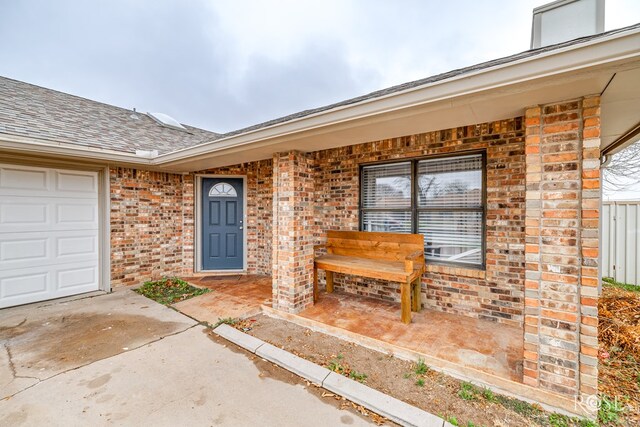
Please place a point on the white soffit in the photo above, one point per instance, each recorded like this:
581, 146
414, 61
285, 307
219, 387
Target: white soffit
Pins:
620, 106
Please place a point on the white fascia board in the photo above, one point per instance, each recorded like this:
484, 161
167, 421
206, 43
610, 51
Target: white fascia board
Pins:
614, 48
57, 148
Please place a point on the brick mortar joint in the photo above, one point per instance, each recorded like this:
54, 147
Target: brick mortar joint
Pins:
539, 240
579, 241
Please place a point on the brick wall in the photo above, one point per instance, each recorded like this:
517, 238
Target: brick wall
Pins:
147, 226
153, 222
497, 293
563, 199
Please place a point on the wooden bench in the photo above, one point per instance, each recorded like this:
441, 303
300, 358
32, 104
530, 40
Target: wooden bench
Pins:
387, 256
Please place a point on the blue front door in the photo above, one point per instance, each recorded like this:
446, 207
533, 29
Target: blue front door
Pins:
222, 224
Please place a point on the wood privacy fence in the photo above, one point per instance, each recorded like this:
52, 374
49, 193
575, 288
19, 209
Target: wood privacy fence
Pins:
621, 241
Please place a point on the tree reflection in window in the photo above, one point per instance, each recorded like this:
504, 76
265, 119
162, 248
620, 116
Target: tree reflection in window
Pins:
223, 189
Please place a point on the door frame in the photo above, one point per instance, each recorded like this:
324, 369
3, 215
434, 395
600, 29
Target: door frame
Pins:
197, 258
104, 203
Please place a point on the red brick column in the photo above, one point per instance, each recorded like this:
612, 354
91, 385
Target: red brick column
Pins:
293, 231
561, 277
532, 246
188, 224
590, 271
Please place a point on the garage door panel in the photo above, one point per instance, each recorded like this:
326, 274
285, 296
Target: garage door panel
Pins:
20, 215
24, 178
76, 182
20, 284
79, 245
38, 182
18, 249
77, 277
44, 282
28, 250
49, 233
76, 213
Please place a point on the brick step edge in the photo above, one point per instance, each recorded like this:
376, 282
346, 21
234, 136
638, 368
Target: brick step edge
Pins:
389, 407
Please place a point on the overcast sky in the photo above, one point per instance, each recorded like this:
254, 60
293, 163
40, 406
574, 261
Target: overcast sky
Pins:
223, 65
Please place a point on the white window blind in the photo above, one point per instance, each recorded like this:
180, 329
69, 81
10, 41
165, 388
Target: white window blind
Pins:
387, 186
448, 207
386, 198
450, 210
450, 183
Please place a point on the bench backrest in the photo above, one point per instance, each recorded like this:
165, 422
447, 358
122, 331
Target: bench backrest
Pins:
374, 245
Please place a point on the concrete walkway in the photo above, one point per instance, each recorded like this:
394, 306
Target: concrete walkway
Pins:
122, 359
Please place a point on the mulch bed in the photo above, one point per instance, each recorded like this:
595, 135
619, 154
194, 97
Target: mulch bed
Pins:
169, 290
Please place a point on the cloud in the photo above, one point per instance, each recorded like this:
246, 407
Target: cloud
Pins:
228, 64
318, 74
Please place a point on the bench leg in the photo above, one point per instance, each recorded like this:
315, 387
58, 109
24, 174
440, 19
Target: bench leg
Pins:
405, 302
329, 275
415, 300
315, 284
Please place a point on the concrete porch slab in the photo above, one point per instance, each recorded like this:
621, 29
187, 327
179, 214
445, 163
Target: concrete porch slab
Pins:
474, 343
231, 296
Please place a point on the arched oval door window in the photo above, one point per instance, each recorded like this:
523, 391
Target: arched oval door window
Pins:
222, 189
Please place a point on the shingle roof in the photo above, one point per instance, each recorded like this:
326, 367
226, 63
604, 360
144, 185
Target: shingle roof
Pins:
432, 79
36, 112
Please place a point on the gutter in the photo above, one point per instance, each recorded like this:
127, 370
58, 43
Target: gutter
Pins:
44, 146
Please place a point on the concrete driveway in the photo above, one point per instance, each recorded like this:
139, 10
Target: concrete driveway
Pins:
123, 359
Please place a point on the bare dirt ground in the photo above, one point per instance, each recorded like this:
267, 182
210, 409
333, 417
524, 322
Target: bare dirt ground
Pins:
427, 389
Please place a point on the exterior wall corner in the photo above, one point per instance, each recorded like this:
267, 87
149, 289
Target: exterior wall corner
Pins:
561, 248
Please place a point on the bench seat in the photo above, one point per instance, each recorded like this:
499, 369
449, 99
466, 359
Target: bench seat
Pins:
396, 257
393, 271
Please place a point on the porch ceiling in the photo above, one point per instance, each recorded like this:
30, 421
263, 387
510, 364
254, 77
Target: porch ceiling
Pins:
620, 107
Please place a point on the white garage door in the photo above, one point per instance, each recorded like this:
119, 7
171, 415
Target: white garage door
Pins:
48, 233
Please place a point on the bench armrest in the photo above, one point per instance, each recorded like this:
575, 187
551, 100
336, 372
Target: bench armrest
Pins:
411, 258
414, 255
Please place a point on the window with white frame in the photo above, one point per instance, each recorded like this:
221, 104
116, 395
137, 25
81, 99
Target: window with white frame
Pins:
441, 198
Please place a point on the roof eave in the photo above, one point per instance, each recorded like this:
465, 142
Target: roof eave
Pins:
46, 147
623, 46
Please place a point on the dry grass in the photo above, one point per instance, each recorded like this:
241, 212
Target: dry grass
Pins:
619, 336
